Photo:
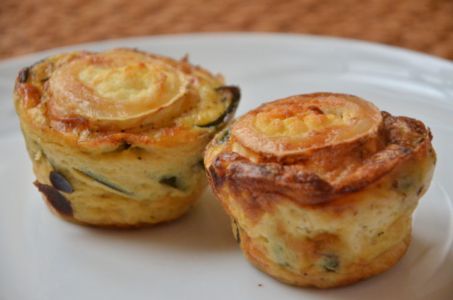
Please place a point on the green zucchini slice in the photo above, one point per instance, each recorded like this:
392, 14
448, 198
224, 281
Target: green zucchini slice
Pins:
102, 180
233, 93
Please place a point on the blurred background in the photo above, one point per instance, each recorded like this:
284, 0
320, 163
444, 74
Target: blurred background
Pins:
32, 25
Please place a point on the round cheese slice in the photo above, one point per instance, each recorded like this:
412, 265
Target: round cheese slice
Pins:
304, 123
118, 90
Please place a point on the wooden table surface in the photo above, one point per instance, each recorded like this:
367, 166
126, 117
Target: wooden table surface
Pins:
32, 25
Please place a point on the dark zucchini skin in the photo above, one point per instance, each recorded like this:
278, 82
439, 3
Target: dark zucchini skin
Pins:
236, 233
23, 75
171, 181
232, 92
200, 164
60, 182
123, 146
105, 182
55, 198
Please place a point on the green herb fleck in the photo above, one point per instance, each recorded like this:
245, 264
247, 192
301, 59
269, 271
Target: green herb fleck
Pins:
224, 136
330, 262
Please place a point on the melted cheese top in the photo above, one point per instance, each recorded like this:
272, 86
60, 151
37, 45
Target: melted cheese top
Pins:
124, 83
123, 89
302, 123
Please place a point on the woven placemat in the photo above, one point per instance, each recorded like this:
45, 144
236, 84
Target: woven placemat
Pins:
32, 25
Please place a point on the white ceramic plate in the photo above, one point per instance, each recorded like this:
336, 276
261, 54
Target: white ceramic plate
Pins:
42, 257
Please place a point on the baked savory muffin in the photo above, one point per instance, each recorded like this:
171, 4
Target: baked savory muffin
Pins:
116, 138
321, 187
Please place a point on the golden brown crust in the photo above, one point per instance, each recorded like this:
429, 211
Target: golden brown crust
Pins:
318, 178
126, 129
325, 214
63, 114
